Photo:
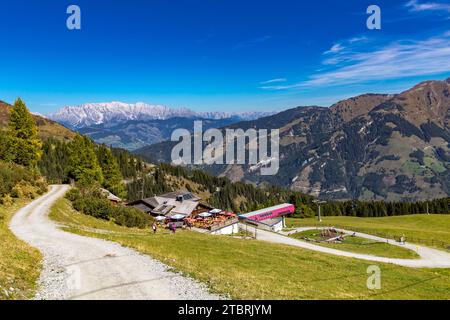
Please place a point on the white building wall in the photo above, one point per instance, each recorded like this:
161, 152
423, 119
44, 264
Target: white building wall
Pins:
278, 227
234, 228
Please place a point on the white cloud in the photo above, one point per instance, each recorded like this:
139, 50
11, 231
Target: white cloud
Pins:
396, 60
274, 80
357, 39
415, 5
335, 48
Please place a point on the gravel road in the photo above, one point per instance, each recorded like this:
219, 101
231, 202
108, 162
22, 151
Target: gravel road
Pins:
429, 258
77, 267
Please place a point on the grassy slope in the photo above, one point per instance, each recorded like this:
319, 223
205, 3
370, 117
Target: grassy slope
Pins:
19, 263
249, 269
47, 128
430, 227
361, 245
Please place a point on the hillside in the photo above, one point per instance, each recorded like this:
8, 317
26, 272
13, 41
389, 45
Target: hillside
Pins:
135, 134
47, 128
371, 147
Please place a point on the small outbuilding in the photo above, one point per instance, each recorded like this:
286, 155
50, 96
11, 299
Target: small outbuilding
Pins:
110, 196
271, 218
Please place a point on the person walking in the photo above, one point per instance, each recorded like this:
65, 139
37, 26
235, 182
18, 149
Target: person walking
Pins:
154, 228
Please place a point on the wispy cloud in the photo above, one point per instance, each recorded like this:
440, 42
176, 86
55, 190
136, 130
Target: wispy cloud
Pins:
417, 6
274, 80
339, 52
335, 48
393, 61
251, 42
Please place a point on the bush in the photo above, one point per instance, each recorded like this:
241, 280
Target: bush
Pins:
24, 189
18, 181
41, 186
93, 203
130, 217
92, 206
6, 200
73, 194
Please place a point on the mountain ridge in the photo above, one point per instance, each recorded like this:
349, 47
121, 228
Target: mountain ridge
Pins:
90, 114
370, 147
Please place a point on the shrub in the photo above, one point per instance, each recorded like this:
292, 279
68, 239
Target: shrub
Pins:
130, 217
18, 181
97, 207
24, 189
41, 186
93, 203
73, 194
6, 200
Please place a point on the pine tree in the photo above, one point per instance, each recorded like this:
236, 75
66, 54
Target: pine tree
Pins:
83, 164
113, 180
54, 161
25, 146
5, 148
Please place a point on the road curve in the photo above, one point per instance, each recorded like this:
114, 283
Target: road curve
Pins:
429, 258
77, 267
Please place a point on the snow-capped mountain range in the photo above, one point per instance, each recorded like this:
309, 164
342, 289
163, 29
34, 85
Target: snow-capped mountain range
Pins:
90, 114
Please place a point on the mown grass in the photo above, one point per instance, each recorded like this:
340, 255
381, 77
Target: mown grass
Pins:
361, 245
434, 228
250, 269
20, 264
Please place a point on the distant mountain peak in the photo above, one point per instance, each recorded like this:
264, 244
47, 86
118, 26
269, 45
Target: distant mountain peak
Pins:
90, 114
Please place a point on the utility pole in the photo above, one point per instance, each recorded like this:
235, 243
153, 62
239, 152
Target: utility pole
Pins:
143, 184
319, 202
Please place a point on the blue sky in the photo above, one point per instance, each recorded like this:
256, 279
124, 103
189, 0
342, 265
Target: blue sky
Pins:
216, 54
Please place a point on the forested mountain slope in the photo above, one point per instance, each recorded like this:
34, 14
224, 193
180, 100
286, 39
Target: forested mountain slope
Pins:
372, 147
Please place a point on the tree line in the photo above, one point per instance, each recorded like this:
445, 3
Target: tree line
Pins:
224, 194
83, 162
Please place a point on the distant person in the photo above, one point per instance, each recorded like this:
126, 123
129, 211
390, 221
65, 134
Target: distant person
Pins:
154, 228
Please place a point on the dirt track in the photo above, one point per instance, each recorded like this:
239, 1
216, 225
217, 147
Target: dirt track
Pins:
429, 258
77, 267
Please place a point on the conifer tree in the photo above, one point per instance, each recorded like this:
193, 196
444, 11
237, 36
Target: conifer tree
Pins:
83, 164
25, 147
5, 149
113, 180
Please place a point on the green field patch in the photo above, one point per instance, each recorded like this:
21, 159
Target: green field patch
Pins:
20, 264
413, 167
358, 245
432, 230
433, 165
